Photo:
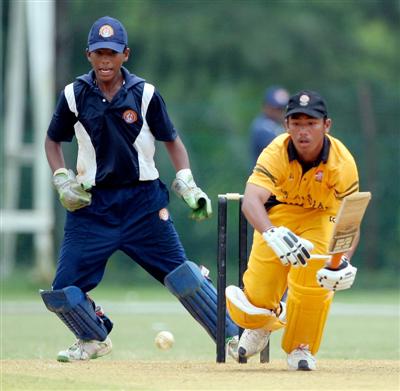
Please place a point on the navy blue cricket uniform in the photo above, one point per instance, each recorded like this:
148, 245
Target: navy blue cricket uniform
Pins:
116, 145
115, 163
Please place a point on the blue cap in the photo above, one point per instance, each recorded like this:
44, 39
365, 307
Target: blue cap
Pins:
107, 33
276, 97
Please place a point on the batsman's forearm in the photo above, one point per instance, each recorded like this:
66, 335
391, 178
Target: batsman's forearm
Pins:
54, 154
253, 207
256, 215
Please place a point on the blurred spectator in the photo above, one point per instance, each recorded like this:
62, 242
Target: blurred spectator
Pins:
269, 123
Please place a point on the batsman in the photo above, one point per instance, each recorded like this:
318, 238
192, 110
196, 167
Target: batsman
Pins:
291, 199
117, 200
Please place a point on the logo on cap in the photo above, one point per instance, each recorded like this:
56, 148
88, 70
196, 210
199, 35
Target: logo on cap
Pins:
129, 116
304, 100
106, 31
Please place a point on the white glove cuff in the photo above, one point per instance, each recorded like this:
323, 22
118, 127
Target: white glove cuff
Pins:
267, 233
185, 174
61, 170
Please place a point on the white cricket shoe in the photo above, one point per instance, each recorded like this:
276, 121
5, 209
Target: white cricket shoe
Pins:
85, 350
232, 345
253, 341
301, 359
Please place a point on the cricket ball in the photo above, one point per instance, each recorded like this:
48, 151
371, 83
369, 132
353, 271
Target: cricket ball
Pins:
164, 340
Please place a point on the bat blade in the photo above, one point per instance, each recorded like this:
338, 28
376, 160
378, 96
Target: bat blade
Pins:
348, 221
347, 224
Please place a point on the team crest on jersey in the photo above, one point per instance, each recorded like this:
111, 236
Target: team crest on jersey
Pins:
164, 214
106, 31
319, 175
304, 100
129, 116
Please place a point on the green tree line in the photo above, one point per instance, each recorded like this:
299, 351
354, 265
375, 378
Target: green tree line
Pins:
212, 61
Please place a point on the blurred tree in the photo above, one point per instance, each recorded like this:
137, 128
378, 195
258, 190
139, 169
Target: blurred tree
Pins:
211, 60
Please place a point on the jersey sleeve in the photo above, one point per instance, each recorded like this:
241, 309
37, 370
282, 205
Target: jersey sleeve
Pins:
61, 127
158, 119
349, 181
268, 173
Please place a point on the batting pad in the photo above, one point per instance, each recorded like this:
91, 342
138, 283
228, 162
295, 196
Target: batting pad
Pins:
75, 310
247, 315
199, 297
307, 309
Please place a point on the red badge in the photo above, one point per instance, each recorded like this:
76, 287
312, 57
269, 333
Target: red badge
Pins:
129, 116
318, 175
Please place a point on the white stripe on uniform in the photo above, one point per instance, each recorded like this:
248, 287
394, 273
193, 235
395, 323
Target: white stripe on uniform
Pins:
86, 165
145, 141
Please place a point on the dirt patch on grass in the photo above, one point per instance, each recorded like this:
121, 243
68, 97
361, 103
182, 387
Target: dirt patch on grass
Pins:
172, 375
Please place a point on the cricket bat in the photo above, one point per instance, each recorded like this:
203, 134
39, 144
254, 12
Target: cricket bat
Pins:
347, 225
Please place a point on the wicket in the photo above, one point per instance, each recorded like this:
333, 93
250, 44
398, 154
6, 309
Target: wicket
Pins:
221, 266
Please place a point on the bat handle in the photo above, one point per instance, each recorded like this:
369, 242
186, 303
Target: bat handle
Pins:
321, 256
335, 261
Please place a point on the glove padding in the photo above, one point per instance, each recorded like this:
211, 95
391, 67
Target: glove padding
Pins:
337, 279
71, 194
185, 187
290, 248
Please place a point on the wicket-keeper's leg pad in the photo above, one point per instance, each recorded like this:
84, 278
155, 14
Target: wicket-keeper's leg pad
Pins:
307, 309
199, 296
248, 316
76, 311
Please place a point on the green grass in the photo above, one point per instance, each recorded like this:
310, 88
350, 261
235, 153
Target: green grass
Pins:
23, 286
40, 334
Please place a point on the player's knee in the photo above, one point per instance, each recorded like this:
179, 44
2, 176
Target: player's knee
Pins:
248, 316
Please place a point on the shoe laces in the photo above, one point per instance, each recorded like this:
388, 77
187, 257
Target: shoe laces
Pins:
78, 345
255, 335
304, 350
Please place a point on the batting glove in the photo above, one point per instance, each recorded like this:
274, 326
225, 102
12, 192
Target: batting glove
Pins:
72, 195
337, 279
185, 187
290, 248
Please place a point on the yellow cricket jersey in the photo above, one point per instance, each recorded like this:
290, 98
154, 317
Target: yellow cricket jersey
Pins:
307, 199
323, 186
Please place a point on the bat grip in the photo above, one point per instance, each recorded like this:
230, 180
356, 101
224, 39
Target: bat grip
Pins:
332, 261
335, 261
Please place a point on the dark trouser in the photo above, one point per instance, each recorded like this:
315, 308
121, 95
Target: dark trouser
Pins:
132, 220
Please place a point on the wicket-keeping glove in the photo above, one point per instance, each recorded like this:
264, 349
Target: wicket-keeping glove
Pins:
290, 248
185, 187
72, 195
337, 279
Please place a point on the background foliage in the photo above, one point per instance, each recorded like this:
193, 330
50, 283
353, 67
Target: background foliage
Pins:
212, 61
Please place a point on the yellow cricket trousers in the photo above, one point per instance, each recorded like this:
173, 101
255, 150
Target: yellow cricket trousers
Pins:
266, 279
